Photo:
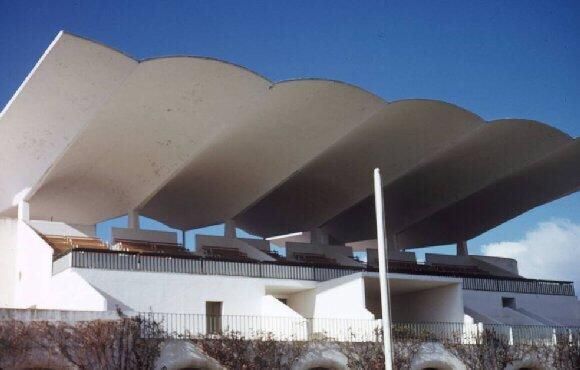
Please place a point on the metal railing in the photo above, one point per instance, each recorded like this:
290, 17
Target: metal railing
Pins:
190, 326
113, 260
515, 285
197, 265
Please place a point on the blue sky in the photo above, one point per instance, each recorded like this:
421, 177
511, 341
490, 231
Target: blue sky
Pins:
498, 59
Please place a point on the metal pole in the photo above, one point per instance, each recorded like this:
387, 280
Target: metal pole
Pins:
383, 258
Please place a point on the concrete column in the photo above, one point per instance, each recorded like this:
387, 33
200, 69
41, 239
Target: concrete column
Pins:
462, 248
23, 211
392, 245
230, 229
318, 236
133, 219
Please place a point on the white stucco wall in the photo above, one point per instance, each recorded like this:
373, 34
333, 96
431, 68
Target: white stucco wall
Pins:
61, 228
271, 306
25, 266
283, 320
496, 265
441, 304
338, 298
261, 244
338, 252
241, 244
34, 268
141, 234
69, 291
508, 265
373, 256
8, 249
184, 293
562, 310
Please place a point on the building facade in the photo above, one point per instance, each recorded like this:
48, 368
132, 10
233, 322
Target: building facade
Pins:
191, 142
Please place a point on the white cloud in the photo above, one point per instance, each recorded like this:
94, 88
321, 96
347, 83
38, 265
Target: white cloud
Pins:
549, 251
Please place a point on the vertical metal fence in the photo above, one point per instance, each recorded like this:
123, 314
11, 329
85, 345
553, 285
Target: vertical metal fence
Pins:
527, 286
275, 270
197, 265
172, 325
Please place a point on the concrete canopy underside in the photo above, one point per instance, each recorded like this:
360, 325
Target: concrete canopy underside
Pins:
92, 134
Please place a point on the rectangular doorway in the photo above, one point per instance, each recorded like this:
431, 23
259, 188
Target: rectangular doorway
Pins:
213, 320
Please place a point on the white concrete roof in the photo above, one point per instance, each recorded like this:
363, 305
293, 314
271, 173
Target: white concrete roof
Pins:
92, 134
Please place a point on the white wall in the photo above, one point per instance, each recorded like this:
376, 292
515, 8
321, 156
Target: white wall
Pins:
449, 259
56, 315
25, 266
271, 306
261, 244
496, 265
26, 272
441, 304
69, 291
337, 308
338, 252
373, 256
34, 265
183, 293
338, 298
508, 265
61, 228
241, 244
8, 272
146, 235
560, 309
282, 320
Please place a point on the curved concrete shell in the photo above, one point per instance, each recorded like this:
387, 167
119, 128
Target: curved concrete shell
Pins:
66, 88
395, 139
489, 155
293, 123
93, 134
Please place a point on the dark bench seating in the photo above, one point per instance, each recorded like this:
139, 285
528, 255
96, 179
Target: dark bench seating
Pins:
314, 259
225, 253
141, 246
277, 256
407, 267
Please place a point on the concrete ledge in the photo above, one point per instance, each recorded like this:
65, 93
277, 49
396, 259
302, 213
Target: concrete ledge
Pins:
181, 354
58, 315
434, 355
321, 355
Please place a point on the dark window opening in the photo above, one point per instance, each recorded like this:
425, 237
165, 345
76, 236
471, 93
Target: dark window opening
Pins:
213, 314
508, 302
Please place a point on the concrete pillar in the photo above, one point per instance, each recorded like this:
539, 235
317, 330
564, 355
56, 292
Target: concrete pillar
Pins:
23, 211
230, 229
462, 248
392, 245
133, 219
318, 236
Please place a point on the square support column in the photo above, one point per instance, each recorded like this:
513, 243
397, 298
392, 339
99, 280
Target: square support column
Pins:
23, 211
133, 219
462, 248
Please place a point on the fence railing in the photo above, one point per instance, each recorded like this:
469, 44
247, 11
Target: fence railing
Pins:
198, 265
190, 326
519, 286
112, 260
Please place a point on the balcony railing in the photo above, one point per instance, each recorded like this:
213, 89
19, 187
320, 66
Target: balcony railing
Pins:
197, 265
111, 260
528, 286
191, 326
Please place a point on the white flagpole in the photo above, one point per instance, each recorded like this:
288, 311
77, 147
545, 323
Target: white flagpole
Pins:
383, 255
